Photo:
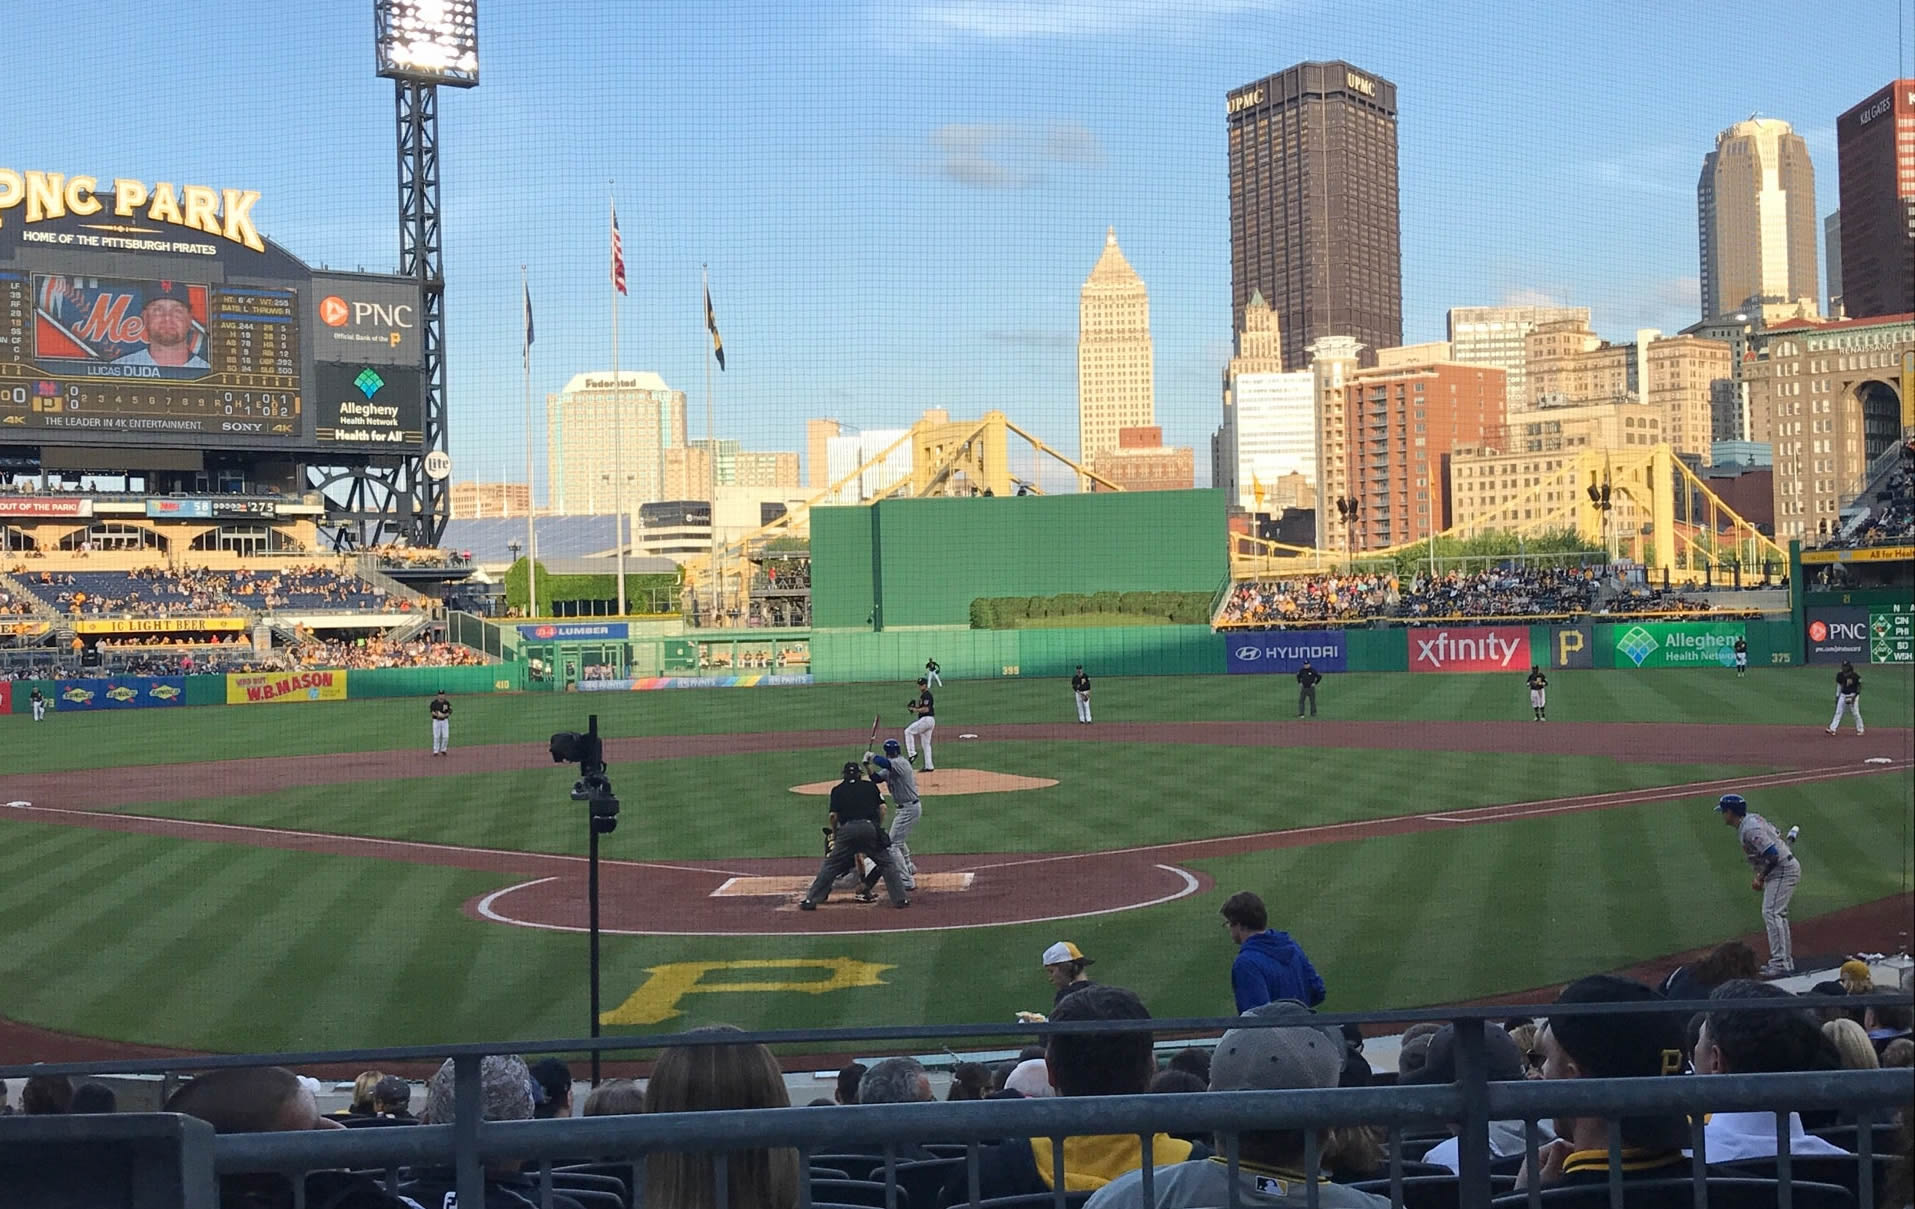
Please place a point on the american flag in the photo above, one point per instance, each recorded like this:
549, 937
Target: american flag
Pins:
618, 256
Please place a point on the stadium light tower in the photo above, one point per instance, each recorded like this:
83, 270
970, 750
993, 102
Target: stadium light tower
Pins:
422, 44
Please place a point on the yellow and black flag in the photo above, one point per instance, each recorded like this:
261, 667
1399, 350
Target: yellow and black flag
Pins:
711, 322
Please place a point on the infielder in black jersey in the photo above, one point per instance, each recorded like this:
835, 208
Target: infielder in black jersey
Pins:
1538, 697
1080, 689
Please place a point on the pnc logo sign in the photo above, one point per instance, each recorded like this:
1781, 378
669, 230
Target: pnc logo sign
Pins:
334, 312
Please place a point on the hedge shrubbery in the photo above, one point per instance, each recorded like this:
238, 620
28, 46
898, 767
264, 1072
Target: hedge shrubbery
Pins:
640, 590
1170, 608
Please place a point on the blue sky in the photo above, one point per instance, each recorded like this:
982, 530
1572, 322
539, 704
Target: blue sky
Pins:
899, 201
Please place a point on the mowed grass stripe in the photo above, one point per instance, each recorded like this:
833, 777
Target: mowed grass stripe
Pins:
1783, 696
1108, 796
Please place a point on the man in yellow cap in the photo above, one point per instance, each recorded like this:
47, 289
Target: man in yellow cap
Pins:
1064, 965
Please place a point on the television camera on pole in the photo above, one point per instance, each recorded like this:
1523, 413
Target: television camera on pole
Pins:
594, 788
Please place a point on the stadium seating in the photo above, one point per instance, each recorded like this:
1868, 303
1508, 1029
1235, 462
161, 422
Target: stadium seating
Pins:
159, 591
1499, 592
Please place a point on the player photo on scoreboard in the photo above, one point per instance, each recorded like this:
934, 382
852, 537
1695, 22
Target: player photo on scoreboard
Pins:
101, 327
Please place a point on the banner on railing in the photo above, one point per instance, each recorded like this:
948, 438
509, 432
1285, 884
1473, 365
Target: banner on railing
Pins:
160, 625
1282, 652
1471, 649
265, 688
119, 692
553, 631
1653, 644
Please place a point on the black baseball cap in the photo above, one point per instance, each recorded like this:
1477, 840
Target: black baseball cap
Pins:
170, 291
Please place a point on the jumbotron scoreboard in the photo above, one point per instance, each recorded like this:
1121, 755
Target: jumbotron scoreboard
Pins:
137, 313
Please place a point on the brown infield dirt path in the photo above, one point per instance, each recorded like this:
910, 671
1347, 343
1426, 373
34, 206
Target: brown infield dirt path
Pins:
756, 896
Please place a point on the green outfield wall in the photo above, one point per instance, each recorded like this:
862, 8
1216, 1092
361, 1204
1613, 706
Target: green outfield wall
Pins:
899, 564
1166, 650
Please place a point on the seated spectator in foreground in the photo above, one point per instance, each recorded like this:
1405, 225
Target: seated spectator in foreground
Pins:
1851, 1042
392, 1100
1030, 1079
1759, 1043
505, 1094
1103, 1064
1270, 1162
551, 1089
1504, 1063
1413, 1051
1194, 1059
1644, 1046
46, 1095
1726, 961
1269, 965
617, 1098
702, 1078
362, 1086
1885, 1023
271, 1099
848, 1080
92, 1097
969, 1081
6, 1109
893, 1081
1357, 1071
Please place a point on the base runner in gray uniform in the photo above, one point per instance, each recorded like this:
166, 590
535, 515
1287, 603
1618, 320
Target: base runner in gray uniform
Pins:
896, 776
1776, 874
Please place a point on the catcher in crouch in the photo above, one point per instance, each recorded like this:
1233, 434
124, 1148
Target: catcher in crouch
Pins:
856, 828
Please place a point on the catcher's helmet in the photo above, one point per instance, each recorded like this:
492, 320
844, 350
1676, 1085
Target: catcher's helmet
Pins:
852, 771
891, 747
1731, 803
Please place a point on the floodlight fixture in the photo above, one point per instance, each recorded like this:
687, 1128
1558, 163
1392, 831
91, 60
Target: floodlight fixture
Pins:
428, 41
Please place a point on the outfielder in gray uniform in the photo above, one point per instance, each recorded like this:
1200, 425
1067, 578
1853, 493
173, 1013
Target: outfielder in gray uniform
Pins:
1776, 874
895, 774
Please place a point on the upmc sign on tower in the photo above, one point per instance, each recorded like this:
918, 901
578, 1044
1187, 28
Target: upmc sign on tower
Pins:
1476, 649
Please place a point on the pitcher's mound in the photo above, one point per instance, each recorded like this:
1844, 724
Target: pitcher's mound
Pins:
944, 781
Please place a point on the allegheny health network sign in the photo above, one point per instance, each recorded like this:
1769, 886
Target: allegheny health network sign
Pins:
1678, 643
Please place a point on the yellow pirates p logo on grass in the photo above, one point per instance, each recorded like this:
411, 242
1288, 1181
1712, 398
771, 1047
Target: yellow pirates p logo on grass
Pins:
656, 999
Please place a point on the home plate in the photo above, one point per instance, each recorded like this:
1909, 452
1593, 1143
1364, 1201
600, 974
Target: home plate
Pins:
1878, 760
786, 887
20, 805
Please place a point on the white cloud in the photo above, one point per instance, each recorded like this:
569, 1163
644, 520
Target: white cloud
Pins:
1008, 155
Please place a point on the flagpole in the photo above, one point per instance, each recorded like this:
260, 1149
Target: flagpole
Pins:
618, 440
531, 530
711, 441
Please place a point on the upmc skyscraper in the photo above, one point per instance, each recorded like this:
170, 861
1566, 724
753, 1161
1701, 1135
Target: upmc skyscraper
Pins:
1313, 206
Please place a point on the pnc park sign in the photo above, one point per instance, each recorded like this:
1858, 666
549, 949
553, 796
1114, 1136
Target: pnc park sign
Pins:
39, 197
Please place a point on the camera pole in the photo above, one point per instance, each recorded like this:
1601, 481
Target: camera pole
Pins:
594, 788
592, 828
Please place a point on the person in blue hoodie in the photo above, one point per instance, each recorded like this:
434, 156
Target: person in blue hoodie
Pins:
1269, 964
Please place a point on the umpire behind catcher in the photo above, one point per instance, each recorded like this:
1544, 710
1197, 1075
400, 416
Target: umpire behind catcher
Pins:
856, 812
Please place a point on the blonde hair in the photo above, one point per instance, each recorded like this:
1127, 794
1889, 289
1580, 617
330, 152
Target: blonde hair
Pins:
1851, 1041
702, 1078
362, 1090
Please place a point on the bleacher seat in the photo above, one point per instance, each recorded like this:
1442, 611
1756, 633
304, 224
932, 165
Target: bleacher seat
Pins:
1681, 1194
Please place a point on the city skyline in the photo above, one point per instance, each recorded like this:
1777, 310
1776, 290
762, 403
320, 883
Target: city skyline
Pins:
893, 200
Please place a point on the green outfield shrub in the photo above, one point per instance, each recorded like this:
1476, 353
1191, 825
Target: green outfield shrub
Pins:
1121, 608
643, 593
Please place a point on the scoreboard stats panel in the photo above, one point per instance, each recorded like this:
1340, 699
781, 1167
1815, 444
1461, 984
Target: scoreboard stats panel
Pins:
116, 355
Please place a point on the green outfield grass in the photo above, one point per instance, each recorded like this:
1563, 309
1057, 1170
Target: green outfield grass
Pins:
279, 950
1109, 795
1789, 696
221, 946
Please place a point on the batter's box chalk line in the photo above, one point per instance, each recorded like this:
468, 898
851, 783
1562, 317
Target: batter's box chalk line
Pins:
780, 887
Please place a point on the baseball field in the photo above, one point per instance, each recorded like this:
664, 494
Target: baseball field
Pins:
304, 876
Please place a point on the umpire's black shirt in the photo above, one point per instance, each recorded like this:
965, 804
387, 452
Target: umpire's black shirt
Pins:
854, 800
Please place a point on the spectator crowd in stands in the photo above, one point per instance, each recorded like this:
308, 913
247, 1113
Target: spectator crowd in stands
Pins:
1496, 592
367, 653
1891, 515
1285, 1049
181, 592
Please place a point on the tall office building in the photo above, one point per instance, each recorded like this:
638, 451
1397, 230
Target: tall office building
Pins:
1755, 203
1827, 394
1688, 380
1403, 419
1269, 418
1498, 335
1114, 368
1875, 152
1313, 205
1333, 361
1832, 256
599, 431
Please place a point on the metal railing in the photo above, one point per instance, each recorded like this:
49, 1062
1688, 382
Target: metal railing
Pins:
1470, 1104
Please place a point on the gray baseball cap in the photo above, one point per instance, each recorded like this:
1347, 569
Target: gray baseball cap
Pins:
1275, 1059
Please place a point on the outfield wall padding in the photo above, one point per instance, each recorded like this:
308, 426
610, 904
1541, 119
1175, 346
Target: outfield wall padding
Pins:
425, 681
840, 656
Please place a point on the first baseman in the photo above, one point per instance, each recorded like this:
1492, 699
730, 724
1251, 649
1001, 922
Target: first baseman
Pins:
1080, 688
1848, 697
39, 705
895, 775
1776, 873
441, 724
918, 734
1538, 693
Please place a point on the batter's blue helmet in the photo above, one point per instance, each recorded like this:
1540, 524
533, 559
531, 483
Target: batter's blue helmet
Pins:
891, 747
1731, 803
